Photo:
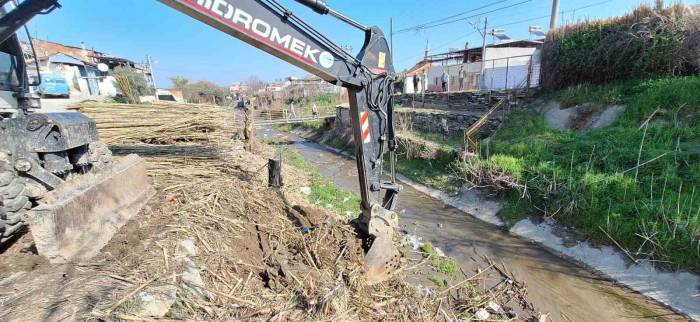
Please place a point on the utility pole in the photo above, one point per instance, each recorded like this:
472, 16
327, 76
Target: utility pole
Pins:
391, 36
555, 14
483, 52
153, 76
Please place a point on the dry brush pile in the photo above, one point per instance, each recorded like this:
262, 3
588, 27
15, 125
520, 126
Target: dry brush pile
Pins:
165, 123
218, 244
648, 42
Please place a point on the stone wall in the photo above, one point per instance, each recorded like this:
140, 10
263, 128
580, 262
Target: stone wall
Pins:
434, 122
471, 101
427, 121
455, 101
342, 126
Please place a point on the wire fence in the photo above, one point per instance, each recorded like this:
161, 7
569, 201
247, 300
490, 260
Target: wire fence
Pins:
516, 72
292, 113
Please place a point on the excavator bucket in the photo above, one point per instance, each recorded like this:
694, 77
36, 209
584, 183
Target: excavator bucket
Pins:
76, 220
382, 258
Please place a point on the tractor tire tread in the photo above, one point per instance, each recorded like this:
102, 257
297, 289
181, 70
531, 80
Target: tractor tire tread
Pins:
14, 202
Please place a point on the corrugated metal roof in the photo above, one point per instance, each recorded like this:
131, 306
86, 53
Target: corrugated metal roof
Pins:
65, 59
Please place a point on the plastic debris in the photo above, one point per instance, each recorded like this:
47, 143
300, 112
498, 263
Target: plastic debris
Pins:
188, 247
482, 315
496, 307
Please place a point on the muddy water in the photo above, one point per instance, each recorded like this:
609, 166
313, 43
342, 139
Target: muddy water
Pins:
555, 286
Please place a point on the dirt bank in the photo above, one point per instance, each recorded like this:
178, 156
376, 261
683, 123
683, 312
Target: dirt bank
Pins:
217, 244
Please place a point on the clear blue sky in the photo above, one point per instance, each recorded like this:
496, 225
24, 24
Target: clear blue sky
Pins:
182, 46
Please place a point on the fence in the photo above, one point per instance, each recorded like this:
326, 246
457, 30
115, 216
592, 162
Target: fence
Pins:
520, 72
516, 72
287, 114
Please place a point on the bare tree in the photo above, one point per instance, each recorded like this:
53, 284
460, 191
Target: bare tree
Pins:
254, 84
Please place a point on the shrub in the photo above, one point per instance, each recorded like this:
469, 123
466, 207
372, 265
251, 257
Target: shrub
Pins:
137, 80
644, 43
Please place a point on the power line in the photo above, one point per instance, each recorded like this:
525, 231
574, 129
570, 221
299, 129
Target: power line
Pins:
548, 16
516, 22
450, 17
440, 46
521, 21
429, 26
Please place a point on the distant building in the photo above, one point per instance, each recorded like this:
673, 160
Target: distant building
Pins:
80, 67
315, 84
170, 95
238, 88
506, 66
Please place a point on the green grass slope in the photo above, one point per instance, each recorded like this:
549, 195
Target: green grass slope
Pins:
635, 182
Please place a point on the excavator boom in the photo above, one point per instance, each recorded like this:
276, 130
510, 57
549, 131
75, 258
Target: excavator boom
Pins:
269, 26
368, 77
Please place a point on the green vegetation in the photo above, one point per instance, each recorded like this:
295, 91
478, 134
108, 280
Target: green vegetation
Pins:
137, 80
337, 143
431, 168
634, 182
439, 281
323, 192
429, 251
327, 99
200, 91
454, 141
647, 42
315, 126
325, 103
448, 267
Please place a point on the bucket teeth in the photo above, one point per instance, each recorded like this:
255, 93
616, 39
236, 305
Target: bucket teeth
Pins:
382, 258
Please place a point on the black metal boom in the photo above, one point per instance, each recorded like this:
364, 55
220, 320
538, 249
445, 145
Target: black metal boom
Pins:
271, 27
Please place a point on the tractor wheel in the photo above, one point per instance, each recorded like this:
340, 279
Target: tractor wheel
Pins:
14, 202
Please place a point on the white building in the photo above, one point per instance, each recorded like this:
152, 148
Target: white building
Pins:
506, 66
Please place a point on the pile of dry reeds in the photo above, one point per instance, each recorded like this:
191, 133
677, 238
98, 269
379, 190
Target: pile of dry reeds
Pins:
260, 258
122, 82
165, 123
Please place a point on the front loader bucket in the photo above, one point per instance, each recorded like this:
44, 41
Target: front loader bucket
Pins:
76, 220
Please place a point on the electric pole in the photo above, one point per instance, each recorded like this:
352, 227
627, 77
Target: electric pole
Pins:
153, 76
391, 35
483, 52
555, 14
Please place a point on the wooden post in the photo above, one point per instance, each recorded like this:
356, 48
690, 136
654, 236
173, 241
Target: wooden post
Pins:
274, 173
248, 133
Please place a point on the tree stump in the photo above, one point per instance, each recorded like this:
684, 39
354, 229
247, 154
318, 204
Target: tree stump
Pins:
248, 133
274, 173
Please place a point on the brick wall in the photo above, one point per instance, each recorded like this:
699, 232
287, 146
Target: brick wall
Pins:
47, 48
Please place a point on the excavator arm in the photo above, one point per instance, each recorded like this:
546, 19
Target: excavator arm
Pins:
368, 77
